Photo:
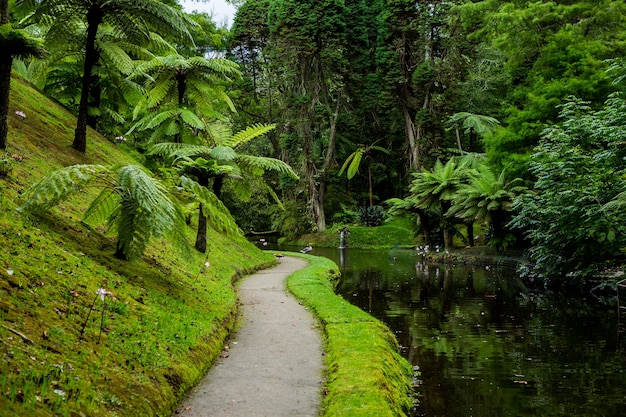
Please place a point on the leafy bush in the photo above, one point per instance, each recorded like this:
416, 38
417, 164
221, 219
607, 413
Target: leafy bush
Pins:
371, 216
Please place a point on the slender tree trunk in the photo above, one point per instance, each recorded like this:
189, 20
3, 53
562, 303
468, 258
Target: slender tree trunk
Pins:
95, 99
202, 228
369, 179
6, 61
5, 90
80, 134
4, 12
470, 233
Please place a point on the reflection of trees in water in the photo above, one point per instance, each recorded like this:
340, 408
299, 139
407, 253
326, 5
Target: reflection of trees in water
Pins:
485, 342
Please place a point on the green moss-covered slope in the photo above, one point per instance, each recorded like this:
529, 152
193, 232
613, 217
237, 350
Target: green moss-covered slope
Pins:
65, 352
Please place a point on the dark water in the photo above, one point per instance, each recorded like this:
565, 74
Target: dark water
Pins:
485, 344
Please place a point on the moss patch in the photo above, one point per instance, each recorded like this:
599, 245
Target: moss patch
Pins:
366, 375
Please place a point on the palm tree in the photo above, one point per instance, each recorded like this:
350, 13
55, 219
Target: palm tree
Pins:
182, 94
134, 18
437, 188
487, 198
13, 43
133, 204
219, 161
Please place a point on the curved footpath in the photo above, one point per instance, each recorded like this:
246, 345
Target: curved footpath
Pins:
273, 364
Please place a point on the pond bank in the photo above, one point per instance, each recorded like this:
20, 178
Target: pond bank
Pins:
366, 375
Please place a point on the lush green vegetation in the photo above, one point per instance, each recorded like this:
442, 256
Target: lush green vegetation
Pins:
158, 322
465, 116
366, 375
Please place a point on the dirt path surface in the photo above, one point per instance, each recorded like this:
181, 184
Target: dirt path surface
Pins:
274, 362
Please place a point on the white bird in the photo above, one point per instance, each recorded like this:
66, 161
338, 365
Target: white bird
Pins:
308, 248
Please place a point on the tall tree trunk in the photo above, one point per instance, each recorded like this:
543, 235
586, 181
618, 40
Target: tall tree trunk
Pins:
6, 61
5, 90
95, 98
470, 233
203, 180
202, 227
94, 18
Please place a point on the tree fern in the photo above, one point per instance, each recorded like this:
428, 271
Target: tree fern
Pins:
134, 205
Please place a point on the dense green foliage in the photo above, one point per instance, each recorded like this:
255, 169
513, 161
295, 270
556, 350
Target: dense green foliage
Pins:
575, 217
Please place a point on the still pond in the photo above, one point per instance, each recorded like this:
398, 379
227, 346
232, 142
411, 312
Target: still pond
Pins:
485, 343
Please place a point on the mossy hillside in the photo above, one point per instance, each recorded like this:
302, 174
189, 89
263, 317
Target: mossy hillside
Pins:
396, 231
366, 376
65, 351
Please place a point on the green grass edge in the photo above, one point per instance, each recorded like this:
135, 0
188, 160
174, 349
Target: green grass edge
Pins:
365, 374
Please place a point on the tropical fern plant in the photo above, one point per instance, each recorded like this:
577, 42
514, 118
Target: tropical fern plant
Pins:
488, 198
133, 18
353, 162
219, 161
182, 94
134, 205
437, 189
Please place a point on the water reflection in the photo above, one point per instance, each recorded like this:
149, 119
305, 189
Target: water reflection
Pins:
486, 345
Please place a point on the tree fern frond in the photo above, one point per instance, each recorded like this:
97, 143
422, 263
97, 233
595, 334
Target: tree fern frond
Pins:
248, 134
102, 207
267, 164
59, 185
191, 119
223, 153
218, 216
147, 210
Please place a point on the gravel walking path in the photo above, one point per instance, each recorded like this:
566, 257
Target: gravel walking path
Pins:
273, 365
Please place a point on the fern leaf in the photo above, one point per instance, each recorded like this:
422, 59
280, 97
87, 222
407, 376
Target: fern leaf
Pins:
248, 134
59, 185
102, 208
223, 153
218, 216
267, 164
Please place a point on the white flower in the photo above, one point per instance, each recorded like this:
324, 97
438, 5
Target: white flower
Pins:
20, 114
103, 293
10, 271
207, 264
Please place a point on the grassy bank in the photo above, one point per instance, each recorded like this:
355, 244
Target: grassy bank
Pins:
366, 374
395, 232
67, 352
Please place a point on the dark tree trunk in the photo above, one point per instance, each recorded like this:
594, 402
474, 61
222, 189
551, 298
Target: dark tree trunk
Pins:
218, 182
94, 18
201, 235
6, 60
95, 99
426, 227
470, 233
5, 90
119, 252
